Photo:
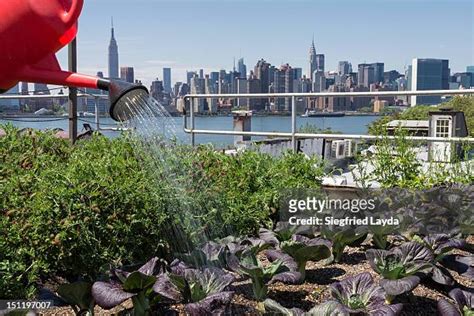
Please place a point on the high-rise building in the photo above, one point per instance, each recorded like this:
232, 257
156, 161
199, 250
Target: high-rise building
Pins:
313, 63
253, 86
167, 80
242, 88
242, 68
344, 68
366, 75
198, 87
319, 81
429, 74
214, 77
189, 76
463, 79
264, 73
320, 62
113, 56
390, 76
127, 74
284, 83
156, 89
378, 72
298, 73
470, 69
408, 74
210, 89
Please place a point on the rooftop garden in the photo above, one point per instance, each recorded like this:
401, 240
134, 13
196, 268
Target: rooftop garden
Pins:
105, 226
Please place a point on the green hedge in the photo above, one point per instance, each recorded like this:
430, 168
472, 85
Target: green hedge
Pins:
71, 211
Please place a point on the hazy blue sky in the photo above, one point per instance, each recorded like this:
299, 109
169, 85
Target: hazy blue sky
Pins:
188, 35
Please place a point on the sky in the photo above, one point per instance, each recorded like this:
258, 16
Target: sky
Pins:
209, 34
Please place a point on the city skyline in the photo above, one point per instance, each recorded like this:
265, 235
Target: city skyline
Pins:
149, 51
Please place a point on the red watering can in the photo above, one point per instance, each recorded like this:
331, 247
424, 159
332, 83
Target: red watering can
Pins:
31, 32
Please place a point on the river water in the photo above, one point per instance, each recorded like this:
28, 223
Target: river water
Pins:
346, 125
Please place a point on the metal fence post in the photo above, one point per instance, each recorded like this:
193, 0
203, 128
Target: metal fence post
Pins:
293, 124
97, 124
72, 56
191, 108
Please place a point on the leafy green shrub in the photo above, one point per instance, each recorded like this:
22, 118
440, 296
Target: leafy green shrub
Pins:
70, 210
245, 189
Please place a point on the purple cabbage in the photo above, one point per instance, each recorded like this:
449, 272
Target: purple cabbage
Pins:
202, 290
464, 265
280, 270
359, 294
440, 245
303, 249
463, 304
400, 267
355, 295
125, 285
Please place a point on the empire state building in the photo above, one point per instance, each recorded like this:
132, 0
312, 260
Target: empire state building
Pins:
113, 56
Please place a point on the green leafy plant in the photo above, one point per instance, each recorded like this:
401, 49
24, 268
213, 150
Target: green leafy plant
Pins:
341, 237
400, 267
202, 290
303, 249
464, 304
136, 285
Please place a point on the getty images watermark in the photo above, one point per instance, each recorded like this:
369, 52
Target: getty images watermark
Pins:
447, 209
304, 212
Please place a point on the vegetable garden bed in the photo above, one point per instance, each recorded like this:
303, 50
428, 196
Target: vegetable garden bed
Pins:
320, 278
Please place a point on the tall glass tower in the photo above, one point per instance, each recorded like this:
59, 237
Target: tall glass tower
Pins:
113, 56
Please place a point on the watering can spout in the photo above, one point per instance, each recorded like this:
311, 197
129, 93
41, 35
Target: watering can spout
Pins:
125, 98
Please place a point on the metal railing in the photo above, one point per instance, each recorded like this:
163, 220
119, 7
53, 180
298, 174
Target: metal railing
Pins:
96, 98
294, 135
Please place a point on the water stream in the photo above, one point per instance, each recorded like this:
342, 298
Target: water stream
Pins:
155, 142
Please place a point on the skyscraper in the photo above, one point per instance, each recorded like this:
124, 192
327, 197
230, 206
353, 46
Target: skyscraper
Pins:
471, 70
344, 68
320, 62
319, 81
189, 76
198, 87
127, 74
284, 83
429, 74
242, 68
262, 73
313, 63
366, 75
210, 89
113, 56
298, 73
167, 79
378, 72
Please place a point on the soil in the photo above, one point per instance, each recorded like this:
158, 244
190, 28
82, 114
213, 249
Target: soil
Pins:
420, 302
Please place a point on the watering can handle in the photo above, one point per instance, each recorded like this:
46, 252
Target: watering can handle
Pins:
69, 18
